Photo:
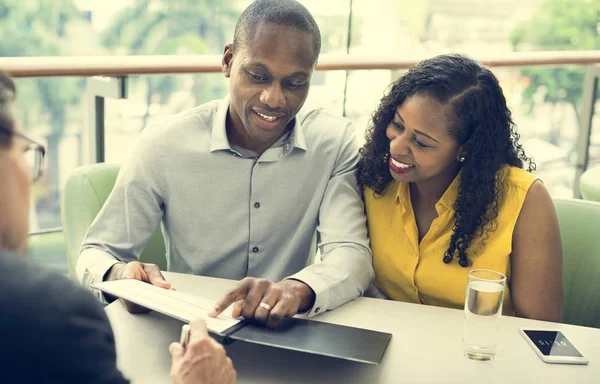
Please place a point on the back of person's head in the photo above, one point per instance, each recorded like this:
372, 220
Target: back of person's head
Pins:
14, 179
477, 118
7, 98
289, 13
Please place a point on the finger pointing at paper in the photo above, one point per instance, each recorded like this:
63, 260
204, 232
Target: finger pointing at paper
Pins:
266, 302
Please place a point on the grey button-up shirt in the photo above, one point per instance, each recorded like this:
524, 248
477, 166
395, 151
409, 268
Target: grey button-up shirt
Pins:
230, 213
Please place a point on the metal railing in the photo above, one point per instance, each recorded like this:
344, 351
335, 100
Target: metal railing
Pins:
118, 68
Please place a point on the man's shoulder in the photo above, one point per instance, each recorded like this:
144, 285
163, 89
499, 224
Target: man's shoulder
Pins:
29, 292
321, 126
196, 119
47, 320
319, 117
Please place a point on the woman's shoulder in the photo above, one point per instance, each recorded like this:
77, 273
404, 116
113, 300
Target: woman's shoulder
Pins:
515, 177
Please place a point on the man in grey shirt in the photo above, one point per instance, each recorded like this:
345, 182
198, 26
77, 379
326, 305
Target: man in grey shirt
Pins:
242, 184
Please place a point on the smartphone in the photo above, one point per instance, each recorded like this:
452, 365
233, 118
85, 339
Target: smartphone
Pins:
553, 347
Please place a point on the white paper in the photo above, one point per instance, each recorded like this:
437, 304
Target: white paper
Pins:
179, 305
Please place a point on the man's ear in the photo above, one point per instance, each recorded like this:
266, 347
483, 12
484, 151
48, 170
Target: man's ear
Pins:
227, 60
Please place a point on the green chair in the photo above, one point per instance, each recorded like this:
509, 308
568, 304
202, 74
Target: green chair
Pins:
589, 184
85, 192
579, 222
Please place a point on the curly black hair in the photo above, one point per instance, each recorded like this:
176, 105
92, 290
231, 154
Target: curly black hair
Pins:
479, 119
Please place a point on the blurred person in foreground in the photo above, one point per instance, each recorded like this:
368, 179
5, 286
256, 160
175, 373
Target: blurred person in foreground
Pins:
242, 184
50, 329
445, 192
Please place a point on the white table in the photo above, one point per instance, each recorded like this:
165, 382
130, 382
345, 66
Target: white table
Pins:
425, 347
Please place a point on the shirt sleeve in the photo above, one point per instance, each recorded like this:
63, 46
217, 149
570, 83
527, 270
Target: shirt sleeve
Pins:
346, 268
130, 216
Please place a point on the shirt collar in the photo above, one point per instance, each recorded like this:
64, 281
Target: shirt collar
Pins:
297, 139
219, 141
402, 195
446, 202
218, 137
449, 197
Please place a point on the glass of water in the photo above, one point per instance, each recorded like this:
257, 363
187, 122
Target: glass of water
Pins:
483, 308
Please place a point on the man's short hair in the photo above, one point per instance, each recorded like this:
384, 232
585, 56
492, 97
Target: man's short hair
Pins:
8, 93
289, 13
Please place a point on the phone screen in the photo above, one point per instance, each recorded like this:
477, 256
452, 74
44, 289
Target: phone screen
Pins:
552, 343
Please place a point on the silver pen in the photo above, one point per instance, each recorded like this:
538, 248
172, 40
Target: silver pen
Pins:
185, 335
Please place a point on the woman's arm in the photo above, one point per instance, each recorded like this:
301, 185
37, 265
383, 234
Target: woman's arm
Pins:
536, 259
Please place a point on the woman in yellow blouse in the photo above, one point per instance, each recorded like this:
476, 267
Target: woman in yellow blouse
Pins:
445, 193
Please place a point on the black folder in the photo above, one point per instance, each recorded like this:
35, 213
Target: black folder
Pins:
319, 338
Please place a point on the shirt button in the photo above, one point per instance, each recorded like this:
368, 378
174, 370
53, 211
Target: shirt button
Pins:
317, 309
257, 205
255, 249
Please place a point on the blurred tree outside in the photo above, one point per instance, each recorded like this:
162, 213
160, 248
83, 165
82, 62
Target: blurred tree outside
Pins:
43, 28
334, 33
175, 27
558, 25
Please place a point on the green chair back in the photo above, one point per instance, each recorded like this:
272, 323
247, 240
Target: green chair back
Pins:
579, 222
85, 192
589, 184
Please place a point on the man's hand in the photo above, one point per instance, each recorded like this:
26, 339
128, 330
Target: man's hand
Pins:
149, 273
204, 361
267, 302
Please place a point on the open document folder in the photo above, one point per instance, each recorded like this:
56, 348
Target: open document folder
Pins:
295, 334
182, 306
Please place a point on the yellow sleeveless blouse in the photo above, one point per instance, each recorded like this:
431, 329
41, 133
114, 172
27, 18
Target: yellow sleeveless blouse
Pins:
406, 270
